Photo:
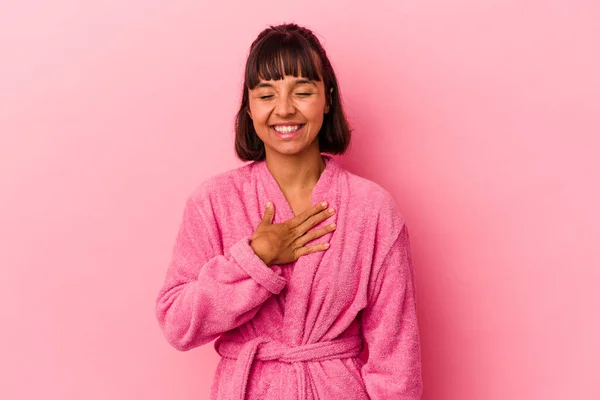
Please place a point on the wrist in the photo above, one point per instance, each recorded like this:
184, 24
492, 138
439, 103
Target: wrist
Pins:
267, 262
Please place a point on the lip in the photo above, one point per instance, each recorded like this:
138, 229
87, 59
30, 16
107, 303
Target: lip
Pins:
287, 136
288, 124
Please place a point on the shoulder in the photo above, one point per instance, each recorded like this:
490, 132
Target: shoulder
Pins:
372, 195
378, 202
222, 183
222, 187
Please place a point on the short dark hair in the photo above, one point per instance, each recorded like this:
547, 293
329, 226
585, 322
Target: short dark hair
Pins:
290, 49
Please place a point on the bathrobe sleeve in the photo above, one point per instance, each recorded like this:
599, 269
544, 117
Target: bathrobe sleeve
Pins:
206, 292
389, 324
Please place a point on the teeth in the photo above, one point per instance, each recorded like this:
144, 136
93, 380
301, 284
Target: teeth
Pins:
286, 129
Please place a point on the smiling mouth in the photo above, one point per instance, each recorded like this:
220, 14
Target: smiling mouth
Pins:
288, 128
288, 132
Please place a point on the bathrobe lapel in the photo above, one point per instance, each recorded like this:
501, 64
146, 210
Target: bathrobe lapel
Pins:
299, 289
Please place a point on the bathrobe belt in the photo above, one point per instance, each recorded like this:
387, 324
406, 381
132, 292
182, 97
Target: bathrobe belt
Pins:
267, 349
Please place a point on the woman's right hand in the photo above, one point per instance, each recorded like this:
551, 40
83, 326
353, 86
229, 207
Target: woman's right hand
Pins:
285, 242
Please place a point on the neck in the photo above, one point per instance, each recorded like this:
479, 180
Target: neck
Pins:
297, 173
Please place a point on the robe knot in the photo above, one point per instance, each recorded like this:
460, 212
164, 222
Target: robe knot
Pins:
268, 349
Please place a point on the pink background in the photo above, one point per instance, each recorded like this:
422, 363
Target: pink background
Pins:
480, 117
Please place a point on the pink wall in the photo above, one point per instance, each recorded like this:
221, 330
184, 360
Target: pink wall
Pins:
481, 118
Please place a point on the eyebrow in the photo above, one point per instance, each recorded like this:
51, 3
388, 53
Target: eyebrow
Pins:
299, 81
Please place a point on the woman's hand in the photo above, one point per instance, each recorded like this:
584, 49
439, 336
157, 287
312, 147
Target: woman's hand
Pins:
285, 242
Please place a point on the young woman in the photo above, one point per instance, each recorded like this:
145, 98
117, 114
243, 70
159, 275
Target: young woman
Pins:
291, 262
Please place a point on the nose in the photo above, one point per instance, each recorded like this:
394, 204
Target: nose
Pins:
284, 106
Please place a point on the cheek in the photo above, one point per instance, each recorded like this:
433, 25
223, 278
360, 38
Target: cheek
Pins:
260, 113
314, 111
314, 108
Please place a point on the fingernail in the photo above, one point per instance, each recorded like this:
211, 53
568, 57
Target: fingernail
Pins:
324, 204
268, 204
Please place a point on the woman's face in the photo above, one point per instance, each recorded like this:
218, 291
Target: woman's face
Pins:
287, 114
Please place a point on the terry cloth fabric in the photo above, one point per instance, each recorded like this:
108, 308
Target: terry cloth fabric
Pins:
295, 331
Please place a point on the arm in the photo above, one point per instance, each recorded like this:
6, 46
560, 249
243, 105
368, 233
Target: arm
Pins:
389, 324
206, 293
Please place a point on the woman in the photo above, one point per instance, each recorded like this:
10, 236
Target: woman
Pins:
293, 290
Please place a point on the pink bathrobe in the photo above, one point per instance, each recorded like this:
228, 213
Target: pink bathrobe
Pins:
295, 331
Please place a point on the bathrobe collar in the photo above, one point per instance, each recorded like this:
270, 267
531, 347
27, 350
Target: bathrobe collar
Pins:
298, 290
326, 188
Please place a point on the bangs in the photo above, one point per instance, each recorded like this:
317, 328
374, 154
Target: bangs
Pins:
280, 55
